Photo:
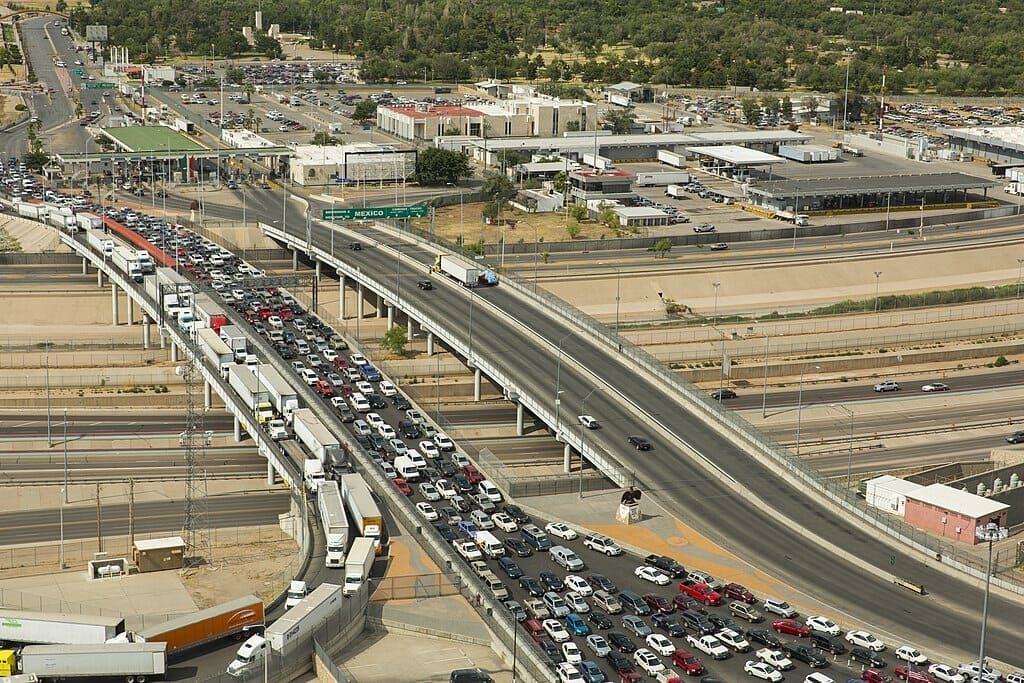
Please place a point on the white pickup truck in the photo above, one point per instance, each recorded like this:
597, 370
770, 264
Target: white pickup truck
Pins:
709, 645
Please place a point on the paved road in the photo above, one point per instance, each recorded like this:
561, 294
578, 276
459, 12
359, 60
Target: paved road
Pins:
685, 488
150, 517
26, 425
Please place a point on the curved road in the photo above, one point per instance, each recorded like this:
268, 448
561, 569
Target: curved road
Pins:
684, 487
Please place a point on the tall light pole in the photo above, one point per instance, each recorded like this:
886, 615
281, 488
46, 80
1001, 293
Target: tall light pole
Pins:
878, 274
846, 96
800, 405
991, 533
849, 460
583, 411
714, 317
558, 384
764, 386
618, 298
1020, 265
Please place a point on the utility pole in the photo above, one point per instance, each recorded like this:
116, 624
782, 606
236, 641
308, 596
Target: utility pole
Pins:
99, 520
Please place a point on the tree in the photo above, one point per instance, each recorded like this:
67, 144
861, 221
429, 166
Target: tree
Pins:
662, 247
751, 111
786, 108
497, 187
248, 89
574, 230
439, 166
620, 121
609, 218
324, 138
395, 340
560, 181
578, 212
234, 75
365, 111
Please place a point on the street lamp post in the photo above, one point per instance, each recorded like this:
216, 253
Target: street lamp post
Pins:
800, 405
990, 533
764, 386
618, 298
849, 460
714, 317
1020, 266
558, 384
878, 274
583, 411
846, 95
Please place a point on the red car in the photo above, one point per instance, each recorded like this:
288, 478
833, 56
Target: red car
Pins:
286, 314
339, 363
791, 627
688, 662
874, 676
629, 676
737, 592
473, 474
684, 601
658, 603
324, 388
265, 312
346, 390
913, 675
403, 488
273, 291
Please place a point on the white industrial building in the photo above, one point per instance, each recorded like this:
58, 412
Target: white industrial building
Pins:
889, 493
313, 165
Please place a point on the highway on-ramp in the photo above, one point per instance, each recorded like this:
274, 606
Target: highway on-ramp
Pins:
767, 541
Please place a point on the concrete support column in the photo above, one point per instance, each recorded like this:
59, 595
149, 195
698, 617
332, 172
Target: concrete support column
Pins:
99, 277
207, 395
566, 457
145, 331
317, 267
131, 309
174, 352
113, 303
409, 328
341, 297
163, 340
391, 316
520, 413
430, 343
295, 259
238, 429
476, 384
85, 266
380, 305
270, 474
359, 299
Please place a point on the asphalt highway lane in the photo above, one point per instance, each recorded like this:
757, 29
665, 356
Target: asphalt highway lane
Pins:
684, 487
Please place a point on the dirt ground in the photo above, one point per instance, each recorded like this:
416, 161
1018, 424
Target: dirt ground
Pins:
263, 568
452, 222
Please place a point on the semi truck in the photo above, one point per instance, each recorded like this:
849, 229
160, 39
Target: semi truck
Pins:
358, 564
291, 630
296, 593
145, 261
173, 292
282, 396
36, 212
599, 162
246, 385
677, 191
184, 126
313, 474
334, 521
233, 618
672, 158
465, 272
54, 628
100, 242
208, 312
662, 178
236, 341
314, 435
127, 262
366, 517
132, 662
218, 353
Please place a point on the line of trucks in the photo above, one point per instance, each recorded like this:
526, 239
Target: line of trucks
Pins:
66, 646
465, 272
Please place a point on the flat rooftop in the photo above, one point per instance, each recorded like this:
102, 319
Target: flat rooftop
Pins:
150, 139
734, 154
922, 182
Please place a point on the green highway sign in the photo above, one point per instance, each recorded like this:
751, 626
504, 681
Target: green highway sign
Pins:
375, 213
79, 72
100, 86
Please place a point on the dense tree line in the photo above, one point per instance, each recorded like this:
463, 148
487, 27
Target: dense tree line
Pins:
927, 45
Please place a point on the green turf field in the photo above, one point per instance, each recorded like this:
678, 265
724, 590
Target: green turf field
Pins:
151, 139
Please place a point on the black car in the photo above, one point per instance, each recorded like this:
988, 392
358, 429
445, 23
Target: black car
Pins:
551, 651
408, 428
355, 246
867, 657
519, 548
376, 401
621, 642
551, 582
639, 443
462, 483
448, 468
424, 284
446, 532
721, 621
667, 565
508, 565
806, 654
531, 586
364, 441
377, 442
668, 625
723, 394
469, 676
400, 402
599, 619
619, 662
601, 582
764, 637
516, 513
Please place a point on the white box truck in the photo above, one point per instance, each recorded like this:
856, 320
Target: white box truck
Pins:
358, 563
406, 468
314, 435
366, 517
100, 242
676, 191
295, 627
127, 262
489, 544
334, 522
282, 396
218, 353
236, 341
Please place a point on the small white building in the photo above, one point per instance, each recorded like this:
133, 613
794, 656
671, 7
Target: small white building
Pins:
640, 216
332, 165
889, 493
538, 201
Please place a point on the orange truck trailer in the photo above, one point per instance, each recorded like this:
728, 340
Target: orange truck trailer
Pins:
241, 618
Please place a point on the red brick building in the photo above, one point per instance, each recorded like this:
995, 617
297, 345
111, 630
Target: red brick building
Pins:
952, 513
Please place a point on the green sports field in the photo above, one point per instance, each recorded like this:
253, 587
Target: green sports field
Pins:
151, 139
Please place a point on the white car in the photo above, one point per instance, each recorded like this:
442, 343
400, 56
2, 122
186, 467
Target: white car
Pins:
429, 449
429, 492
598, 645
445, 488
971, 670
653, 575
660, 644
358, 359
733, 640
374, 419
709, 645
387, 432
780, 607
766, 672
572, 653
818, 677
946, 673
910, 654
935, 386
388, 389
364, 387
560, 530
648, 661
567, 673
865, 639
576, 602
1015, 677
443, 442
504, 522
775, 657
578, 584
554, 628
428, 511
588, 422
823, 624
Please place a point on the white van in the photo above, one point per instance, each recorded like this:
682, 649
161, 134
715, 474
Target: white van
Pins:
361, 428
490, 490
359, 403
489, 544
406, 469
